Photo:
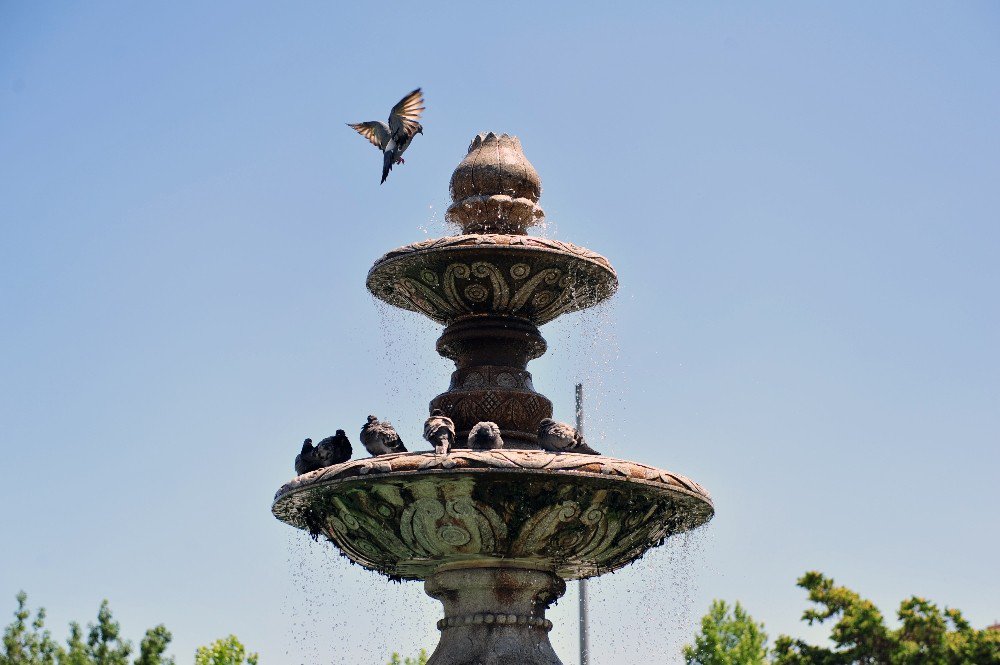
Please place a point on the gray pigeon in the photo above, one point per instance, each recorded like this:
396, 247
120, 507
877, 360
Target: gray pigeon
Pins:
307, 460
485, 436
561, 438
393, 139
334, 449
440, 431
380, 438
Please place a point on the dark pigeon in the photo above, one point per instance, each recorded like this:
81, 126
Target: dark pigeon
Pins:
334, 449
308, 459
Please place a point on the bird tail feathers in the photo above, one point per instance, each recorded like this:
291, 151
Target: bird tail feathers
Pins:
386, 163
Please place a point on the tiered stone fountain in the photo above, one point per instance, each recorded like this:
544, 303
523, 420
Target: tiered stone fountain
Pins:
494, 534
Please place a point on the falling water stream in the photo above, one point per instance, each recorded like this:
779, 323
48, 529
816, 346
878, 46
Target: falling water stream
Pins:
342, 614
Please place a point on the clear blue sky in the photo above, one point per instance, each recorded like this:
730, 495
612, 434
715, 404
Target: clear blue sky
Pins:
802, 201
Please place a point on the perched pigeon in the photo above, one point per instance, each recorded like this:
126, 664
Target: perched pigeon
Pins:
485, 436
308, 459
393, 139
440, 430
562, 438
331, 450
380, 438
334, 449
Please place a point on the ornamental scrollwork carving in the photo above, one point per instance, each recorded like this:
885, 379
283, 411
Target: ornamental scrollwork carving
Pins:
533, 278
433, 526
541, 297
570, 513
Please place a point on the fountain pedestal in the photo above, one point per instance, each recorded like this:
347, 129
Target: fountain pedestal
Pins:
494, 616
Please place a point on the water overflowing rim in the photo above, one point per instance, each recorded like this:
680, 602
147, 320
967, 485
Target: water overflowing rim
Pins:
481, 241
513, 462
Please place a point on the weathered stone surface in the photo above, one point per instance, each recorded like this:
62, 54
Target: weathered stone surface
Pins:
493, 291
494, 616
491, 381
495, 189
407, 515
530, 278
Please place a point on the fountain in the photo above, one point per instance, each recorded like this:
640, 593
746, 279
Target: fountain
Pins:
494, 534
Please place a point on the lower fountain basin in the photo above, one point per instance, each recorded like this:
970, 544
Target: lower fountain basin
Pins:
411, 515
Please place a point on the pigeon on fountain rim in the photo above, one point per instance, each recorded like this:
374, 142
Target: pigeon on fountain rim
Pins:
562, 438
439, 430
331, 450
485, 436
380, 438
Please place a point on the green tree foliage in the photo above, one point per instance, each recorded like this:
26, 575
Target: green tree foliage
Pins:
104, 643
420, 659
927, 635
224, 651
76, 648
153, 647
729, 636
27, 643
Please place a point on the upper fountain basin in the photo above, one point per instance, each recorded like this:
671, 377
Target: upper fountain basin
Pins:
536, 279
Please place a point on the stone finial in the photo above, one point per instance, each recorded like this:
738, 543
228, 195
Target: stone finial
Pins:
495, 189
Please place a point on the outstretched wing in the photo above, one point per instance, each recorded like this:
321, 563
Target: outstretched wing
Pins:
405, 114
375, 131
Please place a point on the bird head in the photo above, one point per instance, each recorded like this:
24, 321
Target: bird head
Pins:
437, 412
420, 128
341, 432
307, 444
545, 422
372, 419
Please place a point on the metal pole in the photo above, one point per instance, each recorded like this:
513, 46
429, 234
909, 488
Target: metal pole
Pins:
584, 628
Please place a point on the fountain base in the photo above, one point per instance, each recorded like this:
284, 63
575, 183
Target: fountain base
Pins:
494, 616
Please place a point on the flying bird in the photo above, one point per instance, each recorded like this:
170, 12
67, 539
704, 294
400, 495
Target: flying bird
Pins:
380, 438
561, 438
439, 429
394, 138
485, 436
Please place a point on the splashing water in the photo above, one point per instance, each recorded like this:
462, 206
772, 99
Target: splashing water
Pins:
583, 348
342, 614
412, 371
436, 226
650, 602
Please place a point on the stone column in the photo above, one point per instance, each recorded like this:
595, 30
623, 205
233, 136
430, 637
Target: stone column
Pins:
491, 381
494, 190
494, 616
